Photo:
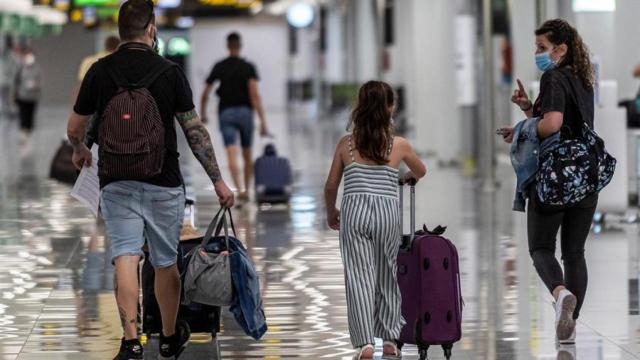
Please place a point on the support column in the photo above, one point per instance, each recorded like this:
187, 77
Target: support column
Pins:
334, 57
523, 26
486, 158
366, 44
430, 78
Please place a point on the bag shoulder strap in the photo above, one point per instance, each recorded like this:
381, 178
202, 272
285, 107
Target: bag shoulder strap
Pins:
575, 98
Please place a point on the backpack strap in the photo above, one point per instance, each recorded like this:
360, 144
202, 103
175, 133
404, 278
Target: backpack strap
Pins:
155, 74
146, 81
114, 74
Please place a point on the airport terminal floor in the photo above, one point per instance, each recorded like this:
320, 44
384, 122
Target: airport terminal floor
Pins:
56, 293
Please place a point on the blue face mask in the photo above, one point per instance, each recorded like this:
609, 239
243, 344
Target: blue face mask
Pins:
544, 61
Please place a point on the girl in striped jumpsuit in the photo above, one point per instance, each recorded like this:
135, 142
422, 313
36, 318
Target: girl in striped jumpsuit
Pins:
369, 221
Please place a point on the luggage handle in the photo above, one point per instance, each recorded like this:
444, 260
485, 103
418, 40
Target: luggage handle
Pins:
439, 230
412, 212
190, 207
218, 224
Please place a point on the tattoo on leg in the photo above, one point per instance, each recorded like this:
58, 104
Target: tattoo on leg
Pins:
123, 316
115, 284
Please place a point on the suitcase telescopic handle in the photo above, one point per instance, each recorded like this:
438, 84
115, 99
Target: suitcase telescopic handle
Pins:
412, 205
410, 182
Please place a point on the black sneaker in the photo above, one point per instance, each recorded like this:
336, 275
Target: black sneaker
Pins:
130, 350
171, 347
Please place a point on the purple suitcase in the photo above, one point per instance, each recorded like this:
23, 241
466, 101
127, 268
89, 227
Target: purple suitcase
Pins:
433, 310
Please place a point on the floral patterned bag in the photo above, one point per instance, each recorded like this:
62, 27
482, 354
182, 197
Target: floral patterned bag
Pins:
574, 169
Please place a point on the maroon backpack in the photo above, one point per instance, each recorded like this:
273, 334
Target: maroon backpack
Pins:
131, 132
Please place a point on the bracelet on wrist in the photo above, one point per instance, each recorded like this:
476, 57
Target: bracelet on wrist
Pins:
528, 108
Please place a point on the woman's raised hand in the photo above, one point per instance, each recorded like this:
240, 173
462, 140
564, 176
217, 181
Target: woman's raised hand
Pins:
520, 97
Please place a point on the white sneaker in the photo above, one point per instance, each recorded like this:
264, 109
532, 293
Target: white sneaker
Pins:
565, 324
566, 352
569, 341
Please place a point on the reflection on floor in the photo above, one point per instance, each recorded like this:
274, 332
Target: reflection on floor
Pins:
56, 282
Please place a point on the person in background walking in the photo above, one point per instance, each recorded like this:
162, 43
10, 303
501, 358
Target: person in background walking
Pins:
369, 222
110, 45
11, 64
6, 75
239, 96
28, 85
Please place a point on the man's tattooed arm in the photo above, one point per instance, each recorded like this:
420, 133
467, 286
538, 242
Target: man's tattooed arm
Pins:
76, 129
200, 143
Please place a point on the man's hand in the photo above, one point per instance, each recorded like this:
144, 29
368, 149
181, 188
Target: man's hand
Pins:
76, 130
225, 195
81, 156
264, 131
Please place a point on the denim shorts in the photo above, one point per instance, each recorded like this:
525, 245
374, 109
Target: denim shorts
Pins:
134, 211
234, 120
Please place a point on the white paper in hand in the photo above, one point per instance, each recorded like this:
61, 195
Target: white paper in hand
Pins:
87, 187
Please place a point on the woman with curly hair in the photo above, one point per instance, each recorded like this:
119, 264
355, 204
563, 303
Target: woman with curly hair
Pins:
565, 103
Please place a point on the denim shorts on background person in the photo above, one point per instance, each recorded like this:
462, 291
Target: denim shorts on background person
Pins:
234, 120
134, 211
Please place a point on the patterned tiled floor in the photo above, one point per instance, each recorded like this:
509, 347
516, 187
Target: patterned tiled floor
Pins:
56, 282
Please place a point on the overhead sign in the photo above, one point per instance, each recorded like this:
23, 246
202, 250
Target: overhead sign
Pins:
179, 46
232, 3
96, 3
594, 5
170, 4
219, 7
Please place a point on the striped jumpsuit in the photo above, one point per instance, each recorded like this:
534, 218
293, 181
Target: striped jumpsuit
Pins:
370, 235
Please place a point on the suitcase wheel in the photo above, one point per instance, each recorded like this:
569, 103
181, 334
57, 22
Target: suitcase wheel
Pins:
447, 350
423, 353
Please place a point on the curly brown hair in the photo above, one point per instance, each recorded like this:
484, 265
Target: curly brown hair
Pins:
371, 121
560, 32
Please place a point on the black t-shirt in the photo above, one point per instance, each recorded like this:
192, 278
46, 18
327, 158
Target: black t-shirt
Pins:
234, 74
171, 92
561, 90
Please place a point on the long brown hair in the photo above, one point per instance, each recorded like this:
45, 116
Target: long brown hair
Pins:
371, 121
560, 32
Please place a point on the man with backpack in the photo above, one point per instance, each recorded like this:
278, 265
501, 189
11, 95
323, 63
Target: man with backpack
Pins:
137, 94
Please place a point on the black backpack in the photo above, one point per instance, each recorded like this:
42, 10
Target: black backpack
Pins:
131, 130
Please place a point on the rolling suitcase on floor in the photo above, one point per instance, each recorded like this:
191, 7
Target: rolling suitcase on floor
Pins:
62, 168
433, 310
201, 318
272, 177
